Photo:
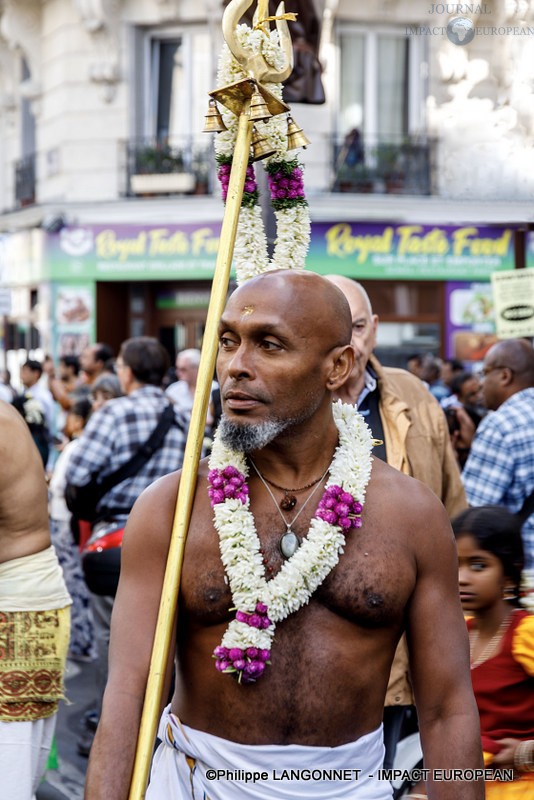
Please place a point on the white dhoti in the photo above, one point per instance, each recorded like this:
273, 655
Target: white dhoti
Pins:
193, 764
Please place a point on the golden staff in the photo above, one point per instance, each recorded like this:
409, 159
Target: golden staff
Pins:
243, 98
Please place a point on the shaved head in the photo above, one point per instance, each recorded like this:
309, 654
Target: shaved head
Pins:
317, 307
284, 350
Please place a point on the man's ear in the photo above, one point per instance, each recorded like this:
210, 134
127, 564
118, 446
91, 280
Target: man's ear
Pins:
341, 365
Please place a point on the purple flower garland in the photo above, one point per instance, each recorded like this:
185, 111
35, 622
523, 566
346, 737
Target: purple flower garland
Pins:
336, 507
286, 183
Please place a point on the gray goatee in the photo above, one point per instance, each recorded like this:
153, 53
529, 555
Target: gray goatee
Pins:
247, 438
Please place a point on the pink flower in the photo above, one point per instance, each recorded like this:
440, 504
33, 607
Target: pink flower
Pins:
235, 653
280, 194
250, 186
261, 608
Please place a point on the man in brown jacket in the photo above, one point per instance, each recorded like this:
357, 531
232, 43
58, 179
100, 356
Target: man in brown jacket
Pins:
401, 413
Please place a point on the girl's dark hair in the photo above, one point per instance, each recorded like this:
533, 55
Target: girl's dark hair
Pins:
498, 531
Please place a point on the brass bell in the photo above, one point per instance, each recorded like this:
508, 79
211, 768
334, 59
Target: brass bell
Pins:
213, 122
260, 146
258, 107
295, 136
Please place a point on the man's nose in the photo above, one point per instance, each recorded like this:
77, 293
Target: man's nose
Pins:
240, 363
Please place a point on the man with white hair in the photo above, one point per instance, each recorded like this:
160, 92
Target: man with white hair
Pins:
182, 392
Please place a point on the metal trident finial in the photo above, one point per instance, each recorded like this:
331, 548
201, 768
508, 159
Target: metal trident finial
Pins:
255, 66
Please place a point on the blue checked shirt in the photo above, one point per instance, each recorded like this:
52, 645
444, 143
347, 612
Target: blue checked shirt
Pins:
500, 466
113, 435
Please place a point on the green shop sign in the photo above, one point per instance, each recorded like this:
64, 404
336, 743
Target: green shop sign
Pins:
130, 252
410, 252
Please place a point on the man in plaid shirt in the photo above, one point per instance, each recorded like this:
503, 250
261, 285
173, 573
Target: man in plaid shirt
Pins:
112, 436
500, 466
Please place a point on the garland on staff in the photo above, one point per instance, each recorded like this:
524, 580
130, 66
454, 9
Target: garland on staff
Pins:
285, 173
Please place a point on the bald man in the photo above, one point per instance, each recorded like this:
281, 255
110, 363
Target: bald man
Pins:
402, 413
293, 597
500, 466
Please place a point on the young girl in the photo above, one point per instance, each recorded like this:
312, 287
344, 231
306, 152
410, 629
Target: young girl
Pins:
501, 636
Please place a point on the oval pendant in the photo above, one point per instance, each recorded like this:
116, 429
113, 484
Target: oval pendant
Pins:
289, 544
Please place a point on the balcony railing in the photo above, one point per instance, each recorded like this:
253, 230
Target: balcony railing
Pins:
156, 168
25, 181
383, 167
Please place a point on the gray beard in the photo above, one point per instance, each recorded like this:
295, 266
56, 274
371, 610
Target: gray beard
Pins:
247, 438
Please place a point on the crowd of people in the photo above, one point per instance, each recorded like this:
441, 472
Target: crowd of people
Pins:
377, 602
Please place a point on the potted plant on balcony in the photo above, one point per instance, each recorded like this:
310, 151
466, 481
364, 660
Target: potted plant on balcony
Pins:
389, 167
355, 178
160, 169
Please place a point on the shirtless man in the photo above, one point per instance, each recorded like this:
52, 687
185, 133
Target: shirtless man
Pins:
34, 614
284, 349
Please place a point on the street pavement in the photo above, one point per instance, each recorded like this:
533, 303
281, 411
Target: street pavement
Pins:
67, 782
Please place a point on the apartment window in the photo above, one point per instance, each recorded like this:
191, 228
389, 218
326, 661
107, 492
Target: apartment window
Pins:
381, 83
177, 78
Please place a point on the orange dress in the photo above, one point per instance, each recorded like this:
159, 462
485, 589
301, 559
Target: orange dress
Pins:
504, 691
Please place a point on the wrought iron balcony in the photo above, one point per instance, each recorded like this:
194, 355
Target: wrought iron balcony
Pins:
25, 181
155, 167
383, 167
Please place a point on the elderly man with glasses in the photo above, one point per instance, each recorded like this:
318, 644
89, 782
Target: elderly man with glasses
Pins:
500, 466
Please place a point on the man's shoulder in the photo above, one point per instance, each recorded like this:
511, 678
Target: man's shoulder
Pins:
406, 386
160, 496
396, 486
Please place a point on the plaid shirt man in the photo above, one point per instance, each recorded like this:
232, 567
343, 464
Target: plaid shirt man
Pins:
500, 466
114, 434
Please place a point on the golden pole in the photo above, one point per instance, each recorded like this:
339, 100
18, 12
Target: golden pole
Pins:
235, 97
186, 493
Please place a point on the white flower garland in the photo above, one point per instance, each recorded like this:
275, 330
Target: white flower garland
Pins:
293, 223
318, 554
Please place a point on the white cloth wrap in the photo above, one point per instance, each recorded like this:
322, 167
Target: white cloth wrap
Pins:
172, 778
33, 583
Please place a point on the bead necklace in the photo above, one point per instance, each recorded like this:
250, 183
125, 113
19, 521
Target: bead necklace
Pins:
492, 646
289, 541
289, 500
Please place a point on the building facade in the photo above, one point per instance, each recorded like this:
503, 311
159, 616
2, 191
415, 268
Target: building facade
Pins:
418, 176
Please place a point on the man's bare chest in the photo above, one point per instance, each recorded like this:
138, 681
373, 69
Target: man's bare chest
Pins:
369, 586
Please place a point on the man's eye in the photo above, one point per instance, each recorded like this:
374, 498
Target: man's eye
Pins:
477, 566
268, 345
226, 341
